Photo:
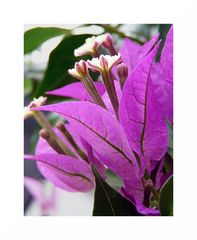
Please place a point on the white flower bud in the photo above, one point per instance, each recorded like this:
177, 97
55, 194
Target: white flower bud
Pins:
91, 45
79, 71
37, 102
104, 62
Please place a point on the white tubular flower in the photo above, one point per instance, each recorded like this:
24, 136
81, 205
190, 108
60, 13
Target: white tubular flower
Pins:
35, 103
91, 45
104, 62
102, 38
73, 72
79, 71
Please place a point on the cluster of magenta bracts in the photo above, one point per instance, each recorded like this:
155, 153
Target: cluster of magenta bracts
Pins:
119, 123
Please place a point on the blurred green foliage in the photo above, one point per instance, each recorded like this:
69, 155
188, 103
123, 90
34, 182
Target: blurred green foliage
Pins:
33, 38
166, 198
62, 58
109, 202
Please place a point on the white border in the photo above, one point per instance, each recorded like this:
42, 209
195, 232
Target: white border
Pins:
17, 13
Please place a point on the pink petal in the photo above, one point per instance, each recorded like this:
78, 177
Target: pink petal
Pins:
132, 53
35, 187
129, 53
167, 76
163, 92
65, 172
106, 98
43, 147
146, 48
140, 114
136, 197
102, 131
94, 160
76, 90
167, 57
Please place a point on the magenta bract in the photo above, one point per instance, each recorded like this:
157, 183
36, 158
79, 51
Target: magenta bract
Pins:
65, 172
132, 143
140, 115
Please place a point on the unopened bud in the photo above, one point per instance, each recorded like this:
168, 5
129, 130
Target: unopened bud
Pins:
104, 64
148, 183
79, 71
46, 135
108, 43
62, 128
122, 71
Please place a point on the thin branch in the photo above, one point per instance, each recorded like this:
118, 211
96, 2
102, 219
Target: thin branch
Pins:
109, 28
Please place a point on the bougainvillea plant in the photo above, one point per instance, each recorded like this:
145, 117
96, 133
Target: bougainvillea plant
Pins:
117, 122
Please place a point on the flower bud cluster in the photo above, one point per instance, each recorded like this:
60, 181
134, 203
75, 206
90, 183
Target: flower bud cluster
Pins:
37, 102
92, 45
104, 62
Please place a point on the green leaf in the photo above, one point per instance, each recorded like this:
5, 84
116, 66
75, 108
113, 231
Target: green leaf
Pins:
113, 180
163, 30
166, 198
33, 38
28, 86
60, 60
168, 163
108, 202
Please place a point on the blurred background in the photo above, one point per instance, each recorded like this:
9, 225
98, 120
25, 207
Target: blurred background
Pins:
48, 54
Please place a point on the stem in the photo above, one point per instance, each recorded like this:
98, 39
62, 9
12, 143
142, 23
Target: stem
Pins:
109, 28
110, 87
45, 135
149, 188
46, 125
91, 89
60, 126
155, 193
